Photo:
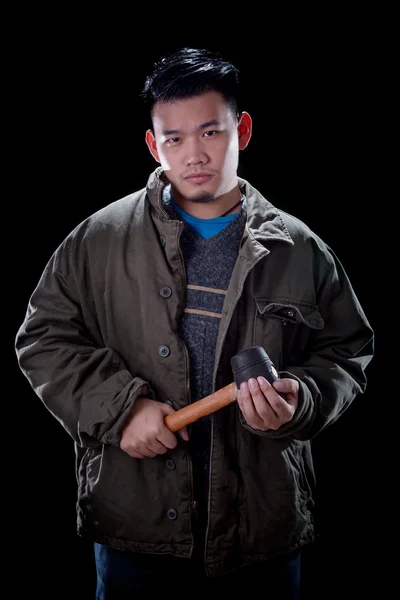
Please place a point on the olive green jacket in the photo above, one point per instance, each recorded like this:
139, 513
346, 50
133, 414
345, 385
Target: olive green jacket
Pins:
100, 331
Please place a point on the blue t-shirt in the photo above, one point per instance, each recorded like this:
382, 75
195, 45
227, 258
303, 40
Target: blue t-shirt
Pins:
205, 227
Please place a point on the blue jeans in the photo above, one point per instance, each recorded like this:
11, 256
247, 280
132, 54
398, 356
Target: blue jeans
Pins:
123, 575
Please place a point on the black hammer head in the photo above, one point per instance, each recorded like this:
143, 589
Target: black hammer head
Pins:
253, 362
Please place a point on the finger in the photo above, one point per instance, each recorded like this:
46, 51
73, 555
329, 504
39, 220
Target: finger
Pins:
158, 447
150, 454
281, 407
167, 438
292, 400
134, 453
247, 407
289, 388
261, 402
274, 399
148, 447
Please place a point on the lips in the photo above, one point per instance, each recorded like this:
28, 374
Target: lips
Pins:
199, 177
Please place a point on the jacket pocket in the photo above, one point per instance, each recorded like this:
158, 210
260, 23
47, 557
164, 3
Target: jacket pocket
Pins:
298, 456
284, 328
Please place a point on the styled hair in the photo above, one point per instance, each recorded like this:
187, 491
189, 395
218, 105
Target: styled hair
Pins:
191, 72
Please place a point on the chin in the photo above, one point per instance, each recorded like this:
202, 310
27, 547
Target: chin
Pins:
202, 197
197, 193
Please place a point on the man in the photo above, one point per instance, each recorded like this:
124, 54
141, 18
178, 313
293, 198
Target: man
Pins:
138, 314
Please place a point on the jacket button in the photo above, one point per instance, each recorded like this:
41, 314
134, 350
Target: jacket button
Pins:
163, 351
290, 313
172, 514
165, 292
170, 464
163, 241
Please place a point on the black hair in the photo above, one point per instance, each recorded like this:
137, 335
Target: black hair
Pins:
191, 72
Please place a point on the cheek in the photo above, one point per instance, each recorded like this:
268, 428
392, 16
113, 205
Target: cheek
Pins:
165, 160
233, 148
169, 157
229, 153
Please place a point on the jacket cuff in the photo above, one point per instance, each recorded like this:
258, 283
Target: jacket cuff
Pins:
114, 407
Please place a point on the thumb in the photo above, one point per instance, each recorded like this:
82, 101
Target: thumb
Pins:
287, 387
184, 433
280, 385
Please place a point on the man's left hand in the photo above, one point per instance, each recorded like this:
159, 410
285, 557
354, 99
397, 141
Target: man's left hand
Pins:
262, 406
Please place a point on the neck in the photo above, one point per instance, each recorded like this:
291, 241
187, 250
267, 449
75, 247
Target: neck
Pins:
210, 210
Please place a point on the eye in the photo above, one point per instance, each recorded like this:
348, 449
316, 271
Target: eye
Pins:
210, 133
173, 140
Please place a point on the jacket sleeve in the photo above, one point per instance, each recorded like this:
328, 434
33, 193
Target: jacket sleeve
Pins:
331, 372
86, 386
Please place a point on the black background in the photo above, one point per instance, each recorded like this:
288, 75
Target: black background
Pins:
79, 144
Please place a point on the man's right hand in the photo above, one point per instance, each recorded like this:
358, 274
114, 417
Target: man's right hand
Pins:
145, 433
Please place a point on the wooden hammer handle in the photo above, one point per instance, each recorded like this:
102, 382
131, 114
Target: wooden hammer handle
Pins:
205, 406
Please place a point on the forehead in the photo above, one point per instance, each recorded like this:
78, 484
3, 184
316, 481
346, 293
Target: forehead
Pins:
191, 112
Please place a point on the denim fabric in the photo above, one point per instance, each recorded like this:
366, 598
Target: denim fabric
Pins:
123, 575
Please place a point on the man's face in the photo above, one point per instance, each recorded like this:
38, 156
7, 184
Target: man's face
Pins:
197, 142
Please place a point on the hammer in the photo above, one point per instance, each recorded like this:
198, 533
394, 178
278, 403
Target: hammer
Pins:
252, 362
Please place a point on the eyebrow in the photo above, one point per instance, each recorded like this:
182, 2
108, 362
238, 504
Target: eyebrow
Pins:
212, 122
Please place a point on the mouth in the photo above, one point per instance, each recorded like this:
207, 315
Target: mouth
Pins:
199, 178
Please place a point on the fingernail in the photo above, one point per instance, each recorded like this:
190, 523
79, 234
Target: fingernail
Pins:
252, 383
261, 380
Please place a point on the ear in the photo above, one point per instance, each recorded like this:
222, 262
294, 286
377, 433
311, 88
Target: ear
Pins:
244, 129
152, 145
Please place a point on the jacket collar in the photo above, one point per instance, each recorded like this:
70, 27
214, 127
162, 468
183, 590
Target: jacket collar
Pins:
264, 221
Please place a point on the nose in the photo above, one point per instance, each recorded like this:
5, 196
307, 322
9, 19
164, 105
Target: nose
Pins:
195, 154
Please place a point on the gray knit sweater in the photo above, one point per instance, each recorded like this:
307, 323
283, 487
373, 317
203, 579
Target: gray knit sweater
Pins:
209, 264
